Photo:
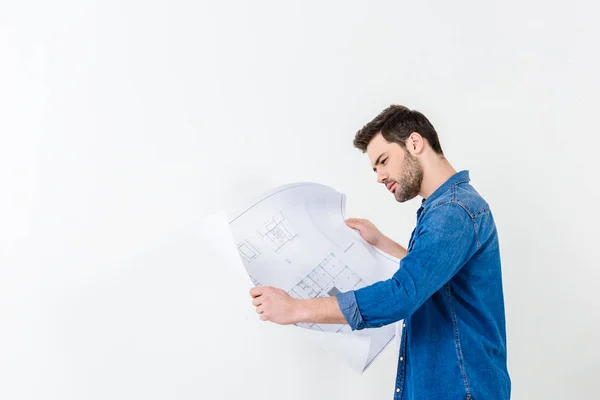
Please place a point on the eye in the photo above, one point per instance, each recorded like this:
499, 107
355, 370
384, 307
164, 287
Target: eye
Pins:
384, 161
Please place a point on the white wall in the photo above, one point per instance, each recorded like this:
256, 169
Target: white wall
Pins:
121, 121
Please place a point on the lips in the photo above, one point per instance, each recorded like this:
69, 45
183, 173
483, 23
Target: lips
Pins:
391, 186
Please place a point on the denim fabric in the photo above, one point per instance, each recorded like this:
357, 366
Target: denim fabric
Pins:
448, 291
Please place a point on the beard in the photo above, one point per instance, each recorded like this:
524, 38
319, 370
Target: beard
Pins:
411, 178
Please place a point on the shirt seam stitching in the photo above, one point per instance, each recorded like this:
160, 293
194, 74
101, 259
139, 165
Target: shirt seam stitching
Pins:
457, 341
464, 207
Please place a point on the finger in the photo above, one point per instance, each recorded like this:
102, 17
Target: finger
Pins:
257, 301
264, 317
354, 223
260, 310
351, 222
256, 291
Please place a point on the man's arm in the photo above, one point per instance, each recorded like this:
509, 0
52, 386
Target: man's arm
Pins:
373, 236
277, 306
388, 246
443, 243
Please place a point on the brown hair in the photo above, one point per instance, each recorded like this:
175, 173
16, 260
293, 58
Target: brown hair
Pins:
396, 123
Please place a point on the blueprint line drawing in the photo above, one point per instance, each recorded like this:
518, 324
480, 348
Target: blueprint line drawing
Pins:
248, 252
278, 231
294, 237
329, 278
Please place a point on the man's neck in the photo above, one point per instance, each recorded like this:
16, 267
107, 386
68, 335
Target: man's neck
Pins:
436, 171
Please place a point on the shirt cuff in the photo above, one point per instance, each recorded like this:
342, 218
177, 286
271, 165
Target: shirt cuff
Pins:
349, 307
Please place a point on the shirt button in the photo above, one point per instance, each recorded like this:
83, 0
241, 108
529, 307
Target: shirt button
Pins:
404, 325
401, 358
397, 390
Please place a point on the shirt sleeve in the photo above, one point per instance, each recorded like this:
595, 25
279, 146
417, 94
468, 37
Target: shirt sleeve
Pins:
444, 242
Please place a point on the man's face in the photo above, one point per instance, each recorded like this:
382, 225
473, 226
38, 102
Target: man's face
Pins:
396, 168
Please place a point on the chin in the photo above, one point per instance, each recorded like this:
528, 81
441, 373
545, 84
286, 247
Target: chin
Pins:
403, 199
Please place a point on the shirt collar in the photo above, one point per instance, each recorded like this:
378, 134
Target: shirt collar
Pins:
459, 177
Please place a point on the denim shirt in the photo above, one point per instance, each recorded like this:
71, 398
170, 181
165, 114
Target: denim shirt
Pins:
448, 291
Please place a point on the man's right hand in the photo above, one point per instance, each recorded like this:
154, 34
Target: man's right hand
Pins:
373, 236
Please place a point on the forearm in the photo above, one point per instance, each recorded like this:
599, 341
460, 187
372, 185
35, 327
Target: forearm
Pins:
388, 246
319, 311
327, 310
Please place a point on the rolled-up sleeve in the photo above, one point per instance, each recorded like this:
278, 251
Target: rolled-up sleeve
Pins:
349, 307
444, 241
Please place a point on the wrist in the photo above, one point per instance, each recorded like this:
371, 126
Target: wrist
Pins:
383, 243
301, 311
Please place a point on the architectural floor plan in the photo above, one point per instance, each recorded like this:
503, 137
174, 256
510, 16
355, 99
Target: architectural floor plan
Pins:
329, 278
295, 238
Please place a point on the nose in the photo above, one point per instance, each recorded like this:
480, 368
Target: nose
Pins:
381, 176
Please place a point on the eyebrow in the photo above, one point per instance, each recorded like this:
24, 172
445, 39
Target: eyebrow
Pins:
377, 162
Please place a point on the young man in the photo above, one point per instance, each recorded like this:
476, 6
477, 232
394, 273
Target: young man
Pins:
448, 288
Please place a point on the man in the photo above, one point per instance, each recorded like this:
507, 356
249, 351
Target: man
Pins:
448, 288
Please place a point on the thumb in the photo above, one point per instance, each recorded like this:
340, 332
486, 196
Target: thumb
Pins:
354, 223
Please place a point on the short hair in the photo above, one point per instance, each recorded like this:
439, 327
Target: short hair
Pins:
396, 123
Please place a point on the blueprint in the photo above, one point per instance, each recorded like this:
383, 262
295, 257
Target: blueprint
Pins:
295, 238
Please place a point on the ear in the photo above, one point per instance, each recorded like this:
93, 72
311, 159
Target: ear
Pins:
415, 144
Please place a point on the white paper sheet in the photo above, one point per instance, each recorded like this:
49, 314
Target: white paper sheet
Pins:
295, 238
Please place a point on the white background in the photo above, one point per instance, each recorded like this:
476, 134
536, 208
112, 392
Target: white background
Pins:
121, 121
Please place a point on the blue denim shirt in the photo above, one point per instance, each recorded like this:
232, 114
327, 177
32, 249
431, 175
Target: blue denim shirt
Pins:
448, 290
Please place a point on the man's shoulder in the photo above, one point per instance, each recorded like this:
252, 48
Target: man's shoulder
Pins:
461, 196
